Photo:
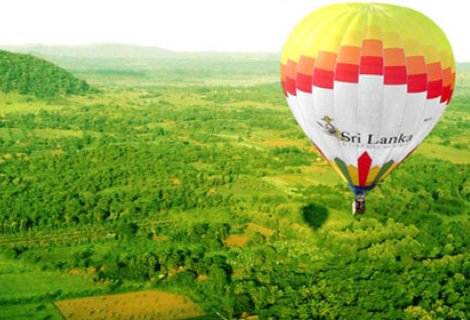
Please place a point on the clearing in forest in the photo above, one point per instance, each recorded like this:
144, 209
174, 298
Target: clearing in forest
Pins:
236, 240
149, 304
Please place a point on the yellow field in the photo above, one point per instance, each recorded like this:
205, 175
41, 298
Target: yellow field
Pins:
283, 142
149, 304
236, 240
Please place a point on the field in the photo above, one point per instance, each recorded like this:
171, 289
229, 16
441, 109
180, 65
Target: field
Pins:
187, 178
141, 305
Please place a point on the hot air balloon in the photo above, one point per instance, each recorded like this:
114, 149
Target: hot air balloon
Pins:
367, 83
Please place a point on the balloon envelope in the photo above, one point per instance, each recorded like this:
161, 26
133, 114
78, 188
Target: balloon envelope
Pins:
367, 83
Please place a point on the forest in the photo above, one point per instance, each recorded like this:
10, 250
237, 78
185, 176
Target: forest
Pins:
29, 75
204, 185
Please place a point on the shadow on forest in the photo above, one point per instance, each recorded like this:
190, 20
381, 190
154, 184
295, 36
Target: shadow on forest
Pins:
315, 216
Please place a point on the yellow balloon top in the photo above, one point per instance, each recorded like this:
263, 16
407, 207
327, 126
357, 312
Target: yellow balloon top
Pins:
346, 33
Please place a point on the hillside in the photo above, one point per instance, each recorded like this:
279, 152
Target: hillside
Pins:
30, 75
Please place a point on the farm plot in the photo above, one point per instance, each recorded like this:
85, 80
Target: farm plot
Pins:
149, 304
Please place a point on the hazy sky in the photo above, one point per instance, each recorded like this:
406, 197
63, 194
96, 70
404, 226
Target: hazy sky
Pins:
224, 25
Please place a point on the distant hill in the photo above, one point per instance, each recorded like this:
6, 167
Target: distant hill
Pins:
26, 74
146, 63
116, 50
99, 50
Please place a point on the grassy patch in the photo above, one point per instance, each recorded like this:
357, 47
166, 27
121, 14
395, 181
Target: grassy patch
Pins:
30, 311
448, 153
26, 291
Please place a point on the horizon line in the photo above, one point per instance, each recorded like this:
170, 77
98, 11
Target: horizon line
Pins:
88, 44
40, 44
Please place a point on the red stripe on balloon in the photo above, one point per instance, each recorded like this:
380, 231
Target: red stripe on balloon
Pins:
323, 78
417, 83
304, 82
290, 86
395, 75
347, 72
445, 94
434, 89
372, 65
364, 162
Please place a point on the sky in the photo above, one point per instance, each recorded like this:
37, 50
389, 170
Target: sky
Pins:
191, 25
